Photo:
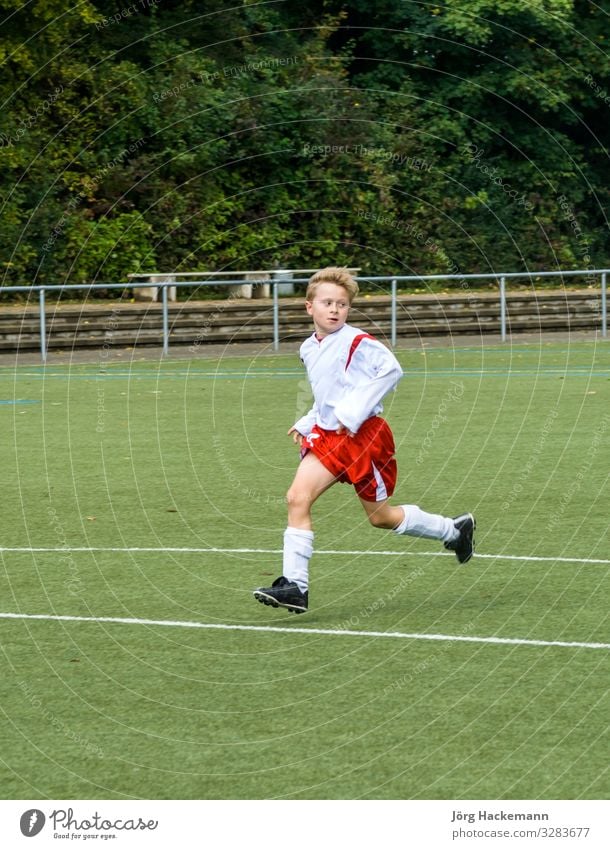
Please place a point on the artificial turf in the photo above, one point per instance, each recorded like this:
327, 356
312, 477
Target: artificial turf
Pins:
171, 475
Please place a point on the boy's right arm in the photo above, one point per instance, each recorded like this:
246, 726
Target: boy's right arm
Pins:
297, 437
305, 424
303, 427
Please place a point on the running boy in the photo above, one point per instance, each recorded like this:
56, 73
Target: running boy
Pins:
343, 439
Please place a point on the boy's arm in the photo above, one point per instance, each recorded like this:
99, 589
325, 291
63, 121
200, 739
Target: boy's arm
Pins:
305, 424
382, 374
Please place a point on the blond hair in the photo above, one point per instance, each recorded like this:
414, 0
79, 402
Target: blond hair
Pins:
332, 274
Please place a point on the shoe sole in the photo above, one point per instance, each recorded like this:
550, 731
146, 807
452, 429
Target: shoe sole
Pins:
474, 527
273, 602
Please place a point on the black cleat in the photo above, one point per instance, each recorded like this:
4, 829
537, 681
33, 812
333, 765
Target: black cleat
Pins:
464, 544
283, 593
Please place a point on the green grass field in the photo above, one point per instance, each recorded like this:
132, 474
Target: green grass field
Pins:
107, 470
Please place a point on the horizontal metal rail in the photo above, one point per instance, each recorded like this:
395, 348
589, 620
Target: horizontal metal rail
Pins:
393, 280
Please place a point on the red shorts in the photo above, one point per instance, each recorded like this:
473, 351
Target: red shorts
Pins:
365, 460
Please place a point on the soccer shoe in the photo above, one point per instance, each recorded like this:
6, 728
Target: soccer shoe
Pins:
464, 544
283, 593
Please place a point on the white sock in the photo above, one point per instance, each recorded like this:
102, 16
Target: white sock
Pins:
429, 525
298, 548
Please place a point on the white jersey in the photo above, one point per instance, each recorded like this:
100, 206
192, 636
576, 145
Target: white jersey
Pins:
350, 372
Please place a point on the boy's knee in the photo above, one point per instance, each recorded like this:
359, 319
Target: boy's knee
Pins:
381, 519
377, 520
296, 497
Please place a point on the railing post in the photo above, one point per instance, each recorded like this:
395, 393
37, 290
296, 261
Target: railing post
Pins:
276, 317
604, 307
503, 308
393, 314
43, 328
165, 319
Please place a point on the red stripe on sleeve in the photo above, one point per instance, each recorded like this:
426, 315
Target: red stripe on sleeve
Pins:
355, 342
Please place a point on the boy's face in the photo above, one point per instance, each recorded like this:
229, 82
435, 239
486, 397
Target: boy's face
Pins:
329, 308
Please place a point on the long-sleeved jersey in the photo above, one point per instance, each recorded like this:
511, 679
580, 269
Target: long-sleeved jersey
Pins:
350, 372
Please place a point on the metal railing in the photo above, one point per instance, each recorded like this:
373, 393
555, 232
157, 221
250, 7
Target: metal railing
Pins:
394, 280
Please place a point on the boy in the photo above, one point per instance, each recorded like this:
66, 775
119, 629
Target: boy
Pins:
343, 439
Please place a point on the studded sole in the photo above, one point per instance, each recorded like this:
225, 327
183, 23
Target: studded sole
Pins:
474, 527
264, 598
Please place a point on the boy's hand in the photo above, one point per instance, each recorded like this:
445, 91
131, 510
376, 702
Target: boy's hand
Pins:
297, 437
346, 430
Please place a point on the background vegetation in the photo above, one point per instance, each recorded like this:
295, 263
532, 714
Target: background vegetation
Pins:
463, 136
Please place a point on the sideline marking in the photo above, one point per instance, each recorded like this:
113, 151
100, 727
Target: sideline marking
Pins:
511, 641
405, 552
493, 371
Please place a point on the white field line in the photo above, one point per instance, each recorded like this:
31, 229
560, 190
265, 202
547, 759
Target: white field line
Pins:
334, 632
524, 558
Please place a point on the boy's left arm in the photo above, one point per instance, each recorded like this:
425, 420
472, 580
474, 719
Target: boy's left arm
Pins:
381, 372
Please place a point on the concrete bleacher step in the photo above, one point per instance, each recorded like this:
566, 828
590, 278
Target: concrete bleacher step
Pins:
125, 324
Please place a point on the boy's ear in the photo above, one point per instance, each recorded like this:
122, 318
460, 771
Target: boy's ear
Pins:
308, 307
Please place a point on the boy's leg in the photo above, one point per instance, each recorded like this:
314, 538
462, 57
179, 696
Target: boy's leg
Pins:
418, 523
310, 481
409, 519
290, 590
457, 534
382, 514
